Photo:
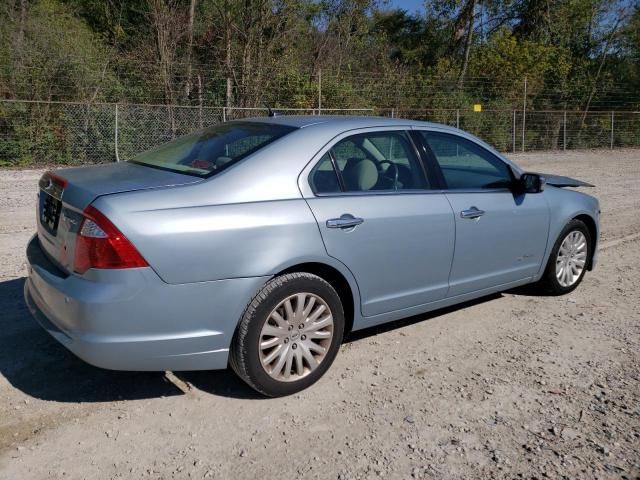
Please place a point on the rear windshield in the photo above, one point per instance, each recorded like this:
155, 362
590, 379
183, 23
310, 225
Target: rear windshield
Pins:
210, 151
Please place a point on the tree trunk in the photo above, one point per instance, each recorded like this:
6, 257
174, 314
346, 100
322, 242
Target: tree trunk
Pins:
22, 24
200, 102
597, 77
468, 41
227, 54
19, 42
192, 10
162, 18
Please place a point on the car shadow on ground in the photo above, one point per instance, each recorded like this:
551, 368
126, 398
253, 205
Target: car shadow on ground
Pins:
387, 327
225, 383
36, 364
529, 290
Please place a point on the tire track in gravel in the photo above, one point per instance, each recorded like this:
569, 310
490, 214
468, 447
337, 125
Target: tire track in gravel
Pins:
619, 241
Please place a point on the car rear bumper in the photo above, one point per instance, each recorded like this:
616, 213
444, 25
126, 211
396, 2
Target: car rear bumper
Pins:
132, 320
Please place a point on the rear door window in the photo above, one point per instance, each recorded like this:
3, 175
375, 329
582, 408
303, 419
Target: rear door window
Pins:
324, 178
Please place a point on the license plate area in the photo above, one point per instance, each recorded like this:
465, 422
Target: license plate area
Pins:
50, 204
50, 208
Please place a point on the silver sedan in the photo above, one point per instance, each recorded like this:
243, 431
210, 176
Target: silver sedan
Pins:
259, 244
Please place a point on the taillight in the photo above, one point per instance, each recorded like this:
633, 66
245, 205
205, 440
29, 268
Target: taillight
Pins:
101, 245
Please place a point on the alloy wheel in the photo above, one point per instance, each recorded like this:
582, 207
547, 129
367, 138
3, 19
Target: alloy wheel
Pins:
571, 259
296, 337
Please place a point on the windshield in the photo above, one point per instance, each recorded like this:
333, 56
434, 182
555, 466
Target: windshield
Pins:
210, 151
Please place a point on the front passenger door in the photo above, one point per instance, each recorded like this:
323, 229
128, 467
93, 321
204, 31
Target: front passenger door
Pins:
500, 235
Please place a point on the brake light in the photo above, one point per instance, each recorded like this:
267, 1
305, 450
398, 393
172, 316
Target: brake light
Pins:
100, 244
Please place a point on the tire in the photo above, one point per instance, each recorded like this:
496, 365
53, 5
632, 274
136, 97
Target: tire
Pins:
552, 282
251, 346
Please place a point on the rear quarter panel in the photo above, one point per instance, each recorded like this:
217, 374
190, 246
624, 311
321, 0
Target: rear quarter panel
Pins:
201, 241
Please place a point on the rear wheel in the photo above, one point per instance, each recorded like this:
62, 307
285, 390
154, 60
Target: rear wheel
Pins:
569, 259
289, 334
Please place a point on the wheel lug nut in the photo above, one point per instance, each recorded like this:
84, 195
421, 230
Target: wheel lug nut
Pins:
301, 326
290, 327
286, 340
303, 337
294, 346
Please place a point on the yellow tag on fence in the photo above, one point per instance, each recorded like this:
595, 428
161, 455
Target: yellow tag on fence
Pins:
477, 107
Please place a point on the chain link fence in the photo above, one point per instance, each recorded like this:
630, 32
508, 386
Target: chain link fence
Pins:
53, 133
515, 131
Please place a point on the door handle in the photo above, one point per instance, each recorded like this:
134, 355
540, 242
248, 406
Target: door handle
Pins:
473, 212
346, 220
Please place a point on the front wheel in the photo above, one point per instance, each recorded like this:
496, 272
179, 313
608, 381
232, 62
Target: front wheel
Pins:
570, 256
289, 334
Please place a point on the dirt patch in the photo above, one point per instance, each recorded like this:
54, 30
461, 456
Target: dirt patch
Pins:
513, 385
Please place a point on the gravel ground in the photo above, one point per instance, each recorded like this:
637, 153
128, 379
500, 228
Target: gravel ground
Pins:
511, 386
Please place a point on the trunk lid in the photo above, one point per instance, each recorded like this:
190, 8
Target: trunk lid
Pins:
64, 194
85, 184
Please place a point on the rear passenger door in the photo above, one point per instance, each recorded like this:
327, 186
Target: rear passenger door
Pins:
379, 217
501, 235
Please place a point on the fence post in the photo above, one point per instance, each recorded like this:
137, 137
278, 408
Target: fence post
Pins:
524, 112
564, 131
393, 112
612, 113
513, 132
116, 135
224, 114
319, 91
458, 118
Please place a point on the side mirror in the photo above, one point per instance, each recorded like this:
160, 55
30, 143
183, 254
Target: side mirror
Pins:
531, 183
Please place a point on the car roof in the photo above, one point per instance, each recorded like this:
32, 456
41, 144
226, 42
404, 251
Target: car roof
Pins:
344, 122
